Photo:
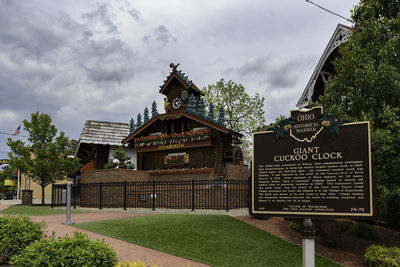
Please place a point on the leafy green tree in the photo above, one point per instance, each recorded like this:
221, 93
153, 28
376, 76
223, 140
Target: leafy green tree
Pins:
121, 160
46, 158
243, 113
367, 84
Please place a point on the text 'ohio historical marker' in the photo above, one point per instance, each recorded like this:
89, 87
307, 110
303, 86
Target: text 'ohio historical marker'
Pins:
313, 164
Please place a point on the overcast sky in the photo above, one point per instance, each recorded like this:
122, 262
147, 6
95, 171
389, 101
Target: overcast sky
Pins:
105, 60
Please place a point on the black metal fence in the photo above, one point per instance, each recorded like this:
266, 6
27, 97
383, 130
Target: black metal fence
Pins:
195, 194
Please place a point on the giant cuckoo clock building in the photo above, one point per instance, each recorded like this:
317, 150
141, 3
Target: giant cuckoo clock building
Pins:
185, 139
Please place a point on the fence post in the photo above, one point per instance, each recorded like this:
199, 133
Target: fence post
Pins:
52, 195
227, 195
154, 195
192, 195
125, 195
101, 195
75, 189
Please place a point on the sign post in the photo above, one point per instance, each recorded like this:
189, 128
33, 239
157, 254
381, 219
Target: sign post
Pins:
313, 165
308, 242
68, 208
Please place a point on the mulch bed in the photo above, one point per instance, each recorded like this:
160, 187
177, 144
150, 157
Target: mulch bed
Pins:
351, 250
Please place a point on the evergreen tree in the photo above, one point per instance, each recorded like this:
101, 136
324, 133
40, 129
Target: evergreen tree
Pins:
139, 122
191, 104
132, 126
221, 116
200, 109
154, 111
211, 115
146, 115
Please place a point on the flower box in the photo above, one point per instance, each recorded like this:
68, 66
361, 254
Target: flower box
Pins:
180, 171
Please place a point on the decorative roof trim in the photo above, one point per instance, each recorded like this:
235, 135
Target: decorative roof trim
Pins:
183, 80
340, 36
174, 114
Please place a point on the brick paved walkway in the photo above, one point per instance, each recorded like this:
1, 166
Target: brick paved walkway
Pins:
125, 250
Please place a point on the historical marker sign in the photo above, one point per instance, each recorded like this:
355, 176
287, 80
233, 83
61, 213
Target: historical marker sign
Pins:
313, 165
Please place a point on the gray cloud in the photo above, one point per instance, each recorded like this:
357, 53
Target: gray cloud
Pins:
102, 16
256, 66
270, 72
60, 66
134, 13
108, 60
159, 38
79, 60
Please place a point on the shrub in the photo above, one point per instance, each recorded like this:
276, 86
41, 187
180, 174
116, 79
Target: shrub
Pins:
332, 232
133, 264
382, 256
363, 230
17, 232
76, 250
394, 210
295, 226
344, 226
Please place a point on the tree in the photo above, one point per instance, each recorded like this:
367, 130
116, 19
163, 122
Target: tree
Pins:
243, 113
367, 84
121, 160
47, 157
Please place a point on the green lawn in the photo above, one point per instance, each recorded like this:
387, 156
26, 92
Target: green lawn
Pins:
33, 210
212, 239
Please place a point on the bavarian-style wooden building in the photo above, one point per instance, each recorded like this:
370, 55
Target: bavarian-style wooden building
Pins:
184, 137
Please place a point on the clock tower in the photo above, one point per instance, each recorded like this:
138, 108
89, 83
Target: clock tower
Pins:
177, 88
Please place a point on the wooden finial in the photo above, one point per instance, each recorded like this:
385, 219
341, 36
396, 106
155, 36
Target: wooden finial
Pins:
173, 66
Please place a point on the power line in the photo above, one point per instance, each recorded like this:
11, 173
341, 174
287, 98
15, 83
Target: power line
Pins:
12, 134
327, 10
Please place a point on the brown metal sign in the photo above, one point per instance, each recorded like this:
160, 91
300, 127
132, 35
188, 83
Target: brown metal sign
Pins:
313, 165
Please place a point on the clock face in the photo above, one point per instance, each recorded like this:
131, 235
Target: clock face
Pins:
177, 103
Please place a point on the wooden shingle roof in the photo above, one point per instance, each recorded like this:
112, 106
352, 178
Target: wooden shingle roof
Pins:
103, 132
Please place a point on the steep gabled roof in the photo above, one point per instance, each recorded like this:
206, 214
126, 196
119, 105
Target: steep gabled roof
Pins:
176, 114
103, 133
340, 36
183, 80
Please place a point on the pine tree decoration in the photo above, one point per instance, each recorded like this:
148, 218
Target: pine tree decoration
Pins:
132, 126
139, 121
191, 104
200, 110
154, 111
146, 115
221, 116
211, 112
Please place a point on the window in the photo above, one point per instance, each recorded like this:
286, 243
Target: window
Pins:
176, 159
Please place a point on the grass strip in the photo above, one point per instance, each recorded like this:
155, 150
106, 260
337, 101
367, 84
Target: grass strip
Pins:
216, 240
33, 210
